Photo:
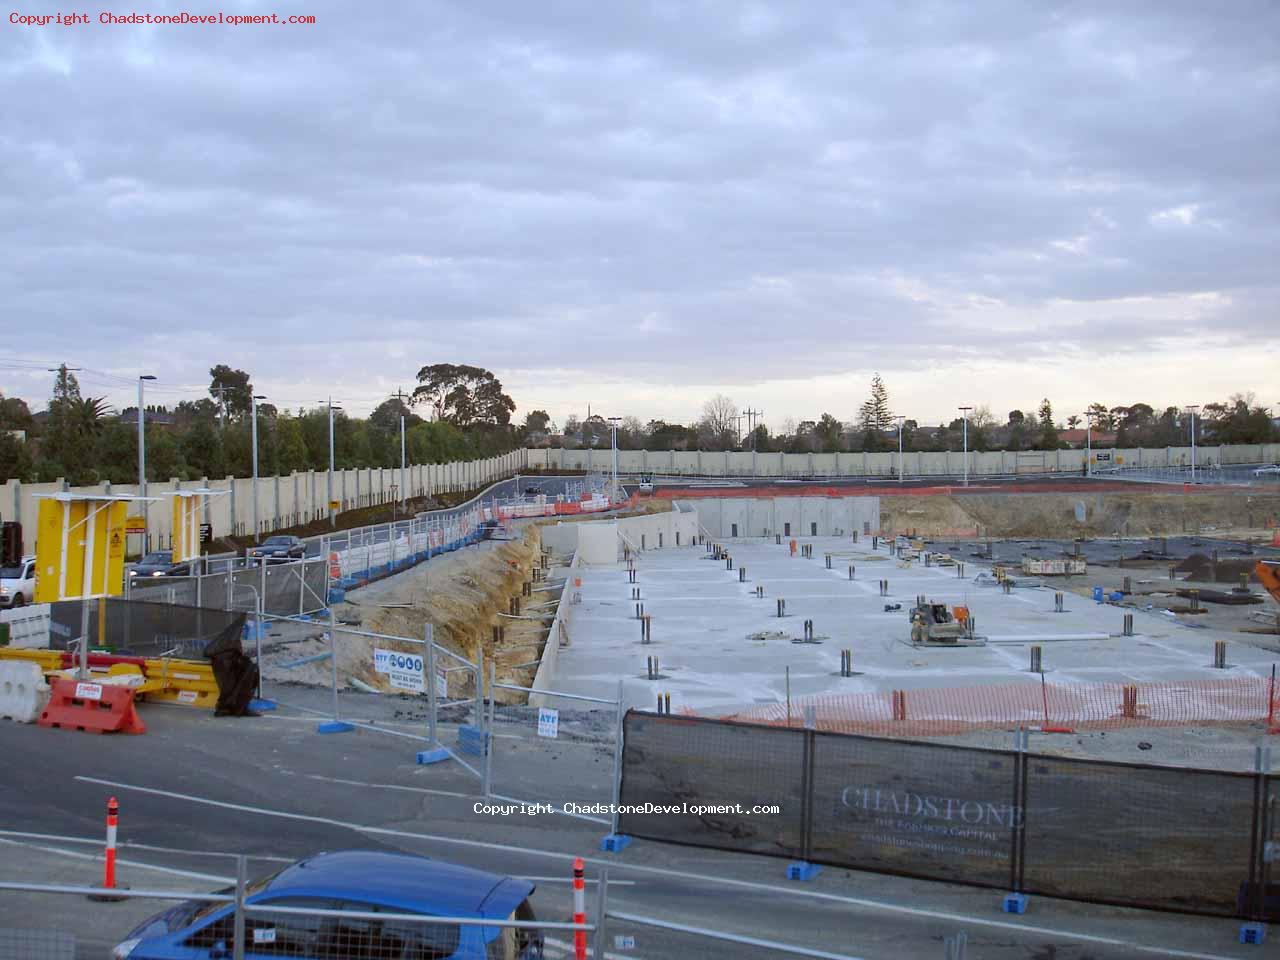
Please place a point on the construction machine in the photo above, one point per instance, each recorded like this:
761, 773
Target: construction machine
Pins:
1268, 573
934, 623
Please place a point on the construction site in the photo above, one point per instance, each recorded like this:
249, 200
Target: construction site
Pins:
893, 673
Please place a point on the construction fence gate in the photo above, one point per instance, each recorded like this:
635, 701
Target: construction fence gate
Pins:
1135, 835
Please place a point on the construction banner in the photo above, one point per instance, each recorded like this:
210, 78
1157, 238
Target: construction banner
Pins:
79, 548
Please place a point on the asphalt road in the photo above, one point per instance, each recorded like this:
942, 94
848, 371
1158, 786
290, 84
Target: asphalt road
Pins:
194, 789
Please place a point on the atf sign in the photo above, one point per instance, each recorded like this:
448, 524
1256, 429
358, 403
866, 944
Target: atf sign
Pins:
403, 670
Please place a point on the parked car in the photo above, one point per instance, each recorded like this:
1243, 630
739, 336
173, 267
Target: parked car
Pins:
1265, 471
18, 583
159, 564
355, 880
277, 549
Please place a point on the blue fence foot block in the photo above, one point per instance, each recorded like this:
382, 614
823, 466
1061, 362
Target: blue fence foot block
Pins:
471, 740
262, 704
1253, 932
334, 726
433, 756
614, 842
1015, 903
802, 870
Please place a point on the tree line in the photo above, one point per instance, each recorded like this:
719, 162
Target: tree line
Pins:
1239, 420
81, 439
469, 416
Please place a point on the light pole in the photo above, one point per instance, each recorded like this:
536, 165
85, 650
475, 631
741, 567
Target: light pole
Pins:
254, 431
964, 412
613, 426
900, 418
333, 517
1193, 408
1088, 444
142, 459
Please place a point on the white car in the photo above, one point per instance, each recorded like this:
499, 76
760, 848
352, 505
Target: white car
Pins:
1266, 471
18, 583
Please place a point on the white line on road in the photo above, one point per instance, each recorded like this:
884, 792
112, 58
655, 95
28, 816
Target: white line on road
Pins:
771, 890
77, 855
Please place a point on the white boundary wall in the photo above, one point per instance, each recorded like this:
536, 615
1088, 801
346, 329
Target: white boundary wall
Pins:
915, 464
282, 501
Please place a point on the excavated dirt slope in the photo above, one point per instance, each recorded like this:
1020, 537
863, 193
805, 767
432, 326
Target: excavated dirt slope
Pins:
1105, 514
464, 595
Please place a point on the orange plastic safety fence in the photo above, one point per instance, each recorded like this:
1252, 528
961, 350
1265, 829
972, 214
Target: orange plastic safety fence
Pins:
1093, 706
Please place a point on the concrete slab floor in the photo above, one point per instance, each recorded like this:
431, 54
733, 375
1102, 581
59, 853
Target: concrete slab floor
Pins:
702, 616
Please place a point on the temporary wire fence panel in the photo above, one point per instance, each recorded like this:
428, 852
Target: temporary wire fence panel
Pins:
36, 945
143, 629
1165, 838
529, 742
682, 766
1137, 835
926, 810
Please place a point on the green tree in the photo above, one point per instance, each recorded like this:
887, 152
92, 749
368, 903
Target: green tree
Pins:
202, 450
293, 451
14, 414
164, 456
116, 452
875, 417
231, 390
464, 396
15, 459
1017, 430
1048, 432
61, 435
827, 433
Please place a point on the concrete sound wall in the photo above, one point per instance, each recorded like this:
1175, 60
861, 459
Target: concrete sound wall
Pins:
282, 501
914, 464
729, 517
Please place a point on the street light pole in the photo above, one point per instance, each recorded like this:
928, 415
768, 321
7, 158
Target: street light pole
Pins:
142, 460
900, 420
613, 426
333, 517
1193, 408
1088, 443
254, 431
964, 412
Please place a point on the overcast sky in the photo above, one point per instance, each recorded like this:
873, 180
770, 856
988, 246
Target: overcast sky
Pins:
639, 205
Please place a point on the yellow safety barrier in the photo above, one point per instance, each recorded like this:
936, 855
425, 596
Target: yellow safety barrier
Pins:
188, 682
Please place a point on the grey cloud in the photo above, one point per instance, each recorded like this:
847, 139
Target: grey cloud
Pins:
673, 188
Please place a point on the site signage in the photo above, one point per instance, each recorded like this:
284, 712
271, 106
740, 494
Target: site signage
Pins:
403, 670
548, 722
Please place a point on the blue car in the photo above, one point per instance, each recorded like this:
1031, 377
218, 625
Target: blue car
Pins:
358, 881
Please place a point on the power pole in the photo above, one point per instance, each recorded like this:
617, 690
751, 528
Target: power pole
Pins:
752, 420
222, 405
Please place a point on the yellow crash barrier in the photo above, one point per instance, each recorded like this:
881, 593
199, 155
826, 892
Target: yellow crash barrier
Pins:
188, 682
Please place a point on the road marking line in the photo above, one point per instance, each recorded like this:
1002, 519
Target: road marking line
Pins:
772, 890
77, 855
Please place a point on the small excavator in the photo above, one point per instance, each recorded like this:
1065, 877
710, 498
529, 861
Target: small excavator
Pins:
1268, 573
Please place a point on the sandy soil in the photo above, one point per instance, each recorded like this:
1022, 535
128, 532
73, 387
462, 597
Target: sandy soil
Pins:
464, 595
1233, 515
